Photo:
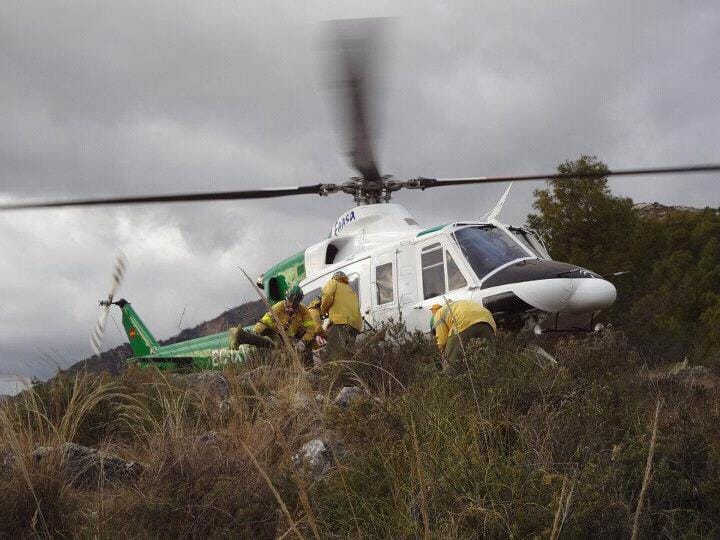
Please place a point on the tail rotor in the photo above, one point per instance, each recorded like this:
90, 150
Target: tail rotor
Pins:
118, 273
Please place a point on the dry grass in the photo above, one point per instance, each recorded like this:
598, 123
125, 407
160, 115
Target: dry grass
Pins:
514, 448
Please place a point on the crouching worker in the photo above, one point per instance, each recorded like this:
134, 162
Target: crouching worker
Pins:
342, 306
454, 325
294, 318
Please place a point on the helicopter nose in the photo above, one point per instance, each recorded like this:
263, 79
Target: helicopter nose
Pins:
590, 295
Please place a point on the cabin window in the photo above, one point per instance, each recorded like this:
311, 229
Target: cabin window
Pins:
455, 278
433, 274
384, 283
330, 254
355, 283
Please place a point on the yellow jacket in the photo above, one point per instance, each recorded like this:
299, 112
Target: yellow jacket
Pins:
341, 303
293, 324
457, 316
314, 309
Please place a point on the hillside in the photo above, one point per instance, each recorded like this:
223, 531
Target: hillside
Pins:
375, 445
111, 361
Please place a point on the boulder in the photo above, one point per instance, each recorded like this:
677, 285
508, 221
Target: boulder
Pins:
691, 376
300, 401
209, 438
314, 458
7, 462
347, 395
86, 467
212, 383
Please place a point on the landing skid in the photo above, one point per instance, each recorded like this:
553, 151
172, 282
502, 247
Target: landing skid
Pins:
590, 327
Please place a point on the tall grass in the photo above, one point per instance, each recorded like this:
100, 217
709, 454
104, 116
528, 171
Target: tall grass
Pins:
535, 450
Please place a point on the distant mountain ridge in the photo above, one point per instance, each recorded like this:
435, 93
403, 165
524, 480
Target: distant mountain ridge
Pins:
655, 210
111, 361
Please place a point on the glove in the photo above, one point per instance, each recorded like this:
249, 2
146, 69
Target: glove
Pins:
300, 346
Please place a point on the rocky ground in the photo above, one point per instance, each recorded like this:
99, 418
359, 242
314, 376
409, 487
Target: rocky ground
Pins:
375, 444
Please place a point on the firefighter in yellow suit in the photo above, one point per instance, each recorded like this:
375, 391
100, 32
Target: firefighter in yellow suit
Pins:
455, 324
290, 314
342, 306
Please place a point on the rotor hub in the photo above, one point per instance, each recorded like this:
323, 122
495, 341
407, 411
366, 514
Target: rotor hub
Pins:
365, 191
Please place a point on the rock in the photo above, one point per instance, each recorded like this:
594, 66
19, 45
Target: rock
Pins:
42, 451
86, 467
300, 401
7, 462
315, 458
693, 377
656, 210
689, 376
208, 382
313, 379
210, 437
347, 395
297, 401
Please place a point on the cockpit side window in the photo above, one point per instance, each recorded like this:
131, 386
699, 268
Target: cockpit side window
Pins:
539, 245
530, 241
488, 247
440, 272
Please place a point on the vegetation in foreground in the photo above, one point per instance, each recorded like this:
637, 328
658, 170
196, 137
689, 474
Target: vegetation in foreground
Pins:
515, 447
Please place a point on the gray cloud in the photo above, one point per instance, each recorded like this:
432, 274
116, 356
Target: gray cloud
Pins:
130, 97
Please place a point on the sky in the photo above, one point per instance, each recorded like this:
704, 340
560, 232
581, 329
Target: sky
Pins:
129, 98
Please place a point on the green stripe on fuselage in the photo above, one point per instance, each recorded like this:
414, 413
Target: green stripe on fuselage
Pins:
430, 230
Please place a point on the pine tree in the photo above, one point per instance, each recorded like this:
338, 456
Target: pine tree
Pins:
581, 221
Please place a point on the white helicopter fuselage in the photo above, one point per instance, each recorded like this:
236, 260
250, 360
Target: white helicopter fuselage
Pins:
399, 270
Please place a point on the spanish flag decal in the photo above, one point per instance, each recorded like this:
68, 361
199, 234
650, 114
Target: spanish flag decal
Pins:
132, 332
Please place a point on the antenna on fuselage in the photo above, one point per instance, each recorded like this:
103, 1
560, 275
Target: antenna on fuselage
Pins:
495, 212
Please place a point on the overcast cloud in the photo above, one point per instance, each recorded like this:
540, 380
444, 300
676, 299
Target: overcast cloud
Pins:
119, 98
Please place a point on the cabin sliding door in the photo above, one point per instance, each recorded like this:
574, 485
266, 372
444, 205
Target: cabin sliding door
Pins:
384, 287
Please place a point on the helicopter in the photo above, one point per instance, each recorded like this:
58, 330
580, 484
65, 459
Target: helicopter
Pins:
398, 268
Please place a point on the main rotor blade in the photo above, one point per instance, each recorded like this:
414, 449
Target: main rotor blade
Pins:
355, 41
424, 183
189, 197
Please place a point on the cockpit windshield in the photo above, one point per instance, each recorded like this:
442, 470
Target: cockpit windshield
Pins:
530, 241
486, 247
